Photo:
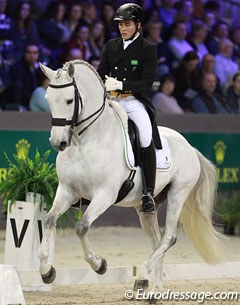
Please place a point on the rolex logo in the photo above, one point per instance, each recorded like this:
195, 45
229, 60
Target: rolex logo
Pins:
220, 149
22, 147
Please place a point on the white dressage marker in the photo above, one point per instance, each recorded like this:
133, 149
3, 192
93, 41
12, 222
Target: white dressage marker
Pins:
127, 274
10, 287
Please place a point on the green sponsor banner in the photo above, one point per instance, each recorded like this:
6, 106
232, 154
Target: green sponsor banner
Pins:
222, 149
23, 143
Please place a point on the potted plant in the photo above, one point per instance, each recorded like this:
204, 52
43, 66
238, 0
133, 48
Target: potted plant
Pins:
25, 175
228, 209
28, 193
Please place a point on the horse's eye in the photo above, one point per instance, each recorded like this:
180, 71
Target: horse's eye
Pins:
69, 102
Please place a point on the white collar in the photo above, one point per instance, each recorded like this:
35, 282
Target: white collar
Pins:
126, 43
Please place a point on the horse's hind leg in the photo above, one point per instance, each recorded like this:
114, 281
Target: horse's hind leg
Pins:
98, 205
177, 195
149, 223
62, 202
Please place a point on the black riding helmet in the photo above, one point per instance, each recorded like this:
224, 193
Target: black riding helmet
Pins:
129, 11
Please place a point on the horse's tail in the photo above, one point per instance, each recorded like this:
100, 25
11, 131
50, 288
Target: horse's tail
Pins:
196, 215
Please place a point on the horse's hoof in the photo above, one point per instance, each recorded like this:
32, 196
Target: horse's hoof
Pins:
49, 277
103, 267
140, 284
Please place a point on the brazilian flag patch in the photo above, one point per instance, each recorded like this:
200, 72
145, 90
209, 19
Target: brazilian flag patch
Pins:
134, 62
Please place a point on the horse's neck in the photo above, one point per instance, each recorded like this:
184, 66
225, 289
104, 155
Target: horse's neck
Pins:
103, 126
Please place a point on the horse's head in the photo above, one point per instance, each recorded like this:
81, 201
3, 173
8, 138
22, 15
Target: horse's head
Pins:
61, 95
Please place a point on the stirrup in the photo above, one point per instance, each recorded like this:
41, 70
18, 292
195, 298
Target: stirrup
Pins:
148, 204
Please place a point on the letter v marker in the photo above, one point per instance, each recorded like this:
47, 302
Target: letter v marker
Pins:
18, 241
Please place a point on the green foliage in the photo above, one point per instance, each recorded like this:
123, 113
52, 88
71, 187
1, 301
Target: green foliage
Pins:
37, 176
228, 207
26, 175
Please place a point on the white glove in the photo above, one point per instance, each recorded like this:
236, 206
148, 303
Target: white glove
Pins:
112, 84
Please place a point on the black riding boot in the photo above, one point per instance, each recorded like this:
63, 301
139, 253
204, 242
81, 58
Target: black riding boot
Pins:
148, 157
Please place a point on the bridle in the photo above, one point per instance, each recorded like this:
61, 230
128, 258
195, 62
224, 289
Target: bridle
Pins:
77, 100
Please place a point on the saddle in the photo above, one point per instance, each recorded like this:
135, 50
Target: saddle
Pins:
134, 139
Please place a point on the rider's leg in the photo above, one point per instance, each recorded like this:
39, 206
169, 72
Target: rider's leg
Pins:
138, 114
148, 160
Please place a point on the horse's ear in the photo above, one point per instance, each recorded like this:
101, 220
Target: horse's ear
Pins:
70, 69
47, 71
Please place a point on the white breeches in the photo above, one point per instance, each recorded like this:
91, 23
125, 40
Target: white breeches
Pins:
138, 114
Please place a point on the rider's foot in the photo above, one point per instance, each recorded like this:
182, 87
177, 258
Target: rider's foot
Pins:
148, 204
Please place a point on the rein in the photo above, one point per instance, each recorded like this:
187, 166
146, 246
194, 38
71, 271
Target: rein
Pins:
77, 99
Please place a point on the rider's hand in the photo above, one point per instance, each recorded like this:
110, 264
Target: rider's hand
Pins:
113, 84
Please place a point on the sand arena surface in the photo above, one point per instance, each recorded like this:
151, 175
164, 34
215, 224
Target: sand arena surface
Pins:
124, 246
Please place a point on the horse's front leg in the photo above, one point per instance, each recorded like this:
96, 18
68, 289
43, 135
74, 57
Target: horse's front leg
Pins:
98, 205
63, 200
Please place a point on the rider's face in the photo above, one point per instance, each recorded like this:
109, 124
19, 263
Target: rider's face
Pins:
127, 28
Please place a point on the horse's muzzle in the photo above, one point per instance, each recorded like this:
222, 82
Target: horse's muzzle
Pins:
59, 147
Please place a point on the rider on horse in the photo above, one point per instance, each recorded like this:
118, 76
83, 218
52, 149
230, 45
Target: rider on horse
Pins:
128, 66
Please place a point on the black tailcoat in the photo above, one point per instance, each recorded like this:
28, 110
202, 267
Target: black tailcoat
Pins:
135, 67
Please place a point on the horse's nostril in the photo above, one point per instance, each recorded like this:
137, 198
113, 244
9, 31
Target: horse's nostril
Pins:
63, 145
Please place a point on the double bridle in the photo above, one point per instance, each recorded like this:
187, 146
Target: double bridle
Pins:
77, 100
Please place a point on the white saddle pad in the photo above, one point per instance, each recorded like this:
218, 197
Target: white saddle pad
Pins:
163, 156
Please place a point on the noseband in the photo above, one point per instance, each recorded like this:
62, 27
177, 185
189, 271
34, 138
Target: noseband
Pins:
77, 100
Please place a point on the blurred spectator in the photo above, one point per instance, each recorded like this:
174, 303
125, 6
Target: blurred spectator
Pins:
4, 86
38, 102
6, 36
220, 31
225, 67
151, 15
53, 33
178, 44
208, 101
80, 40
208, 66
185, 11
73, 16
89, 14
153, 34
107, 15
236, 45
186, 76
94, 61
163, 100
198, 38
209, 20
24, 78
213, 7
198, 9
233, 94
96, 38
167, 13
24, 27
37, 7
73, 54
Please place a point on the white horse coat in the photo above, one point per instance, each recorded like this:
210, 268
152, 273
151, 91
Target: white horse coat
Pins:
93, 166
